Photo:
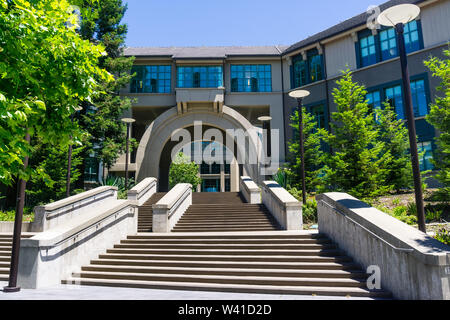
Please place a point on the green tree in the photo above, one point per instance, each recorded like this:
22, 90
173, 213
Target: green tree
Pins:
396, 163
46, 69
101, 23
183, 170
354, 165
314, 155
439, 117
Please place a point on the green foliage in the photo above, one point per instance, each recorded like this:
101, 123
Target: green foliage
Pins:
54, 161
402, 214
355, 164
119, 182
296, 193
433, 215
182, 170
310, 212
10, 215
101, 23
412, 209
313, 153
443, 236
396, 164
46, 69
439, 117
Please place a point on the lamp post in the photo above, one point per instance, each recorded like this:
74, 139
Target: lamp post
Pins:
397, 17
69, 160
14, 268
300, 95
128, 122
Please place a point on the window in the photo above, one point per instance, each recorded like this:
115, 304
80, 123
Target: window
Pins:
419, 98
388, 43
368, 51
300, 73
315, 65
427, 156
412, 38
200, 77
151, 79
383, 46
395, 99
307, 71
251, 78
319, 114
374, 99
91, 170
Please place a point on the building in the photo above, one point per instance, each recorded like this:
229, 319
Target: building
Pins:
231, 87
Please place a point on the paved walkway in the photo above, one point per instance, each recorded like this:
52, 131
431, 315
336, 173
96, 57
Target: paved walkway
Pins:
73, 292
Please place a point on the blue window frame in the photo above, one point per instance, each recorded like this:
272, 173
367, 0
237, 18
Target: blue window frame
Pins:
318, 112
200, 77
412, 36
307, 71
394, 96
425, 160
368, 50
151, 79
315, 66
388, 43
419, 98
251, 78
300, 72
374, 99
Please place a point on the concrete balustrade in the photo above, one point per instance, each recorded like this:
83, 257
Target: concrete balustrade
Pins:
59, 212
143, 191
412, 265
51, 256
168, 210
250, 190
282, 205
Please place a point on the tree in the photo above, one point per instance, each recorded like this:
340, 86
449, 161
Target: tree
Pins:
397, 159
313, 153
439, 117
46, 69
101, 23
183, 170
354, 165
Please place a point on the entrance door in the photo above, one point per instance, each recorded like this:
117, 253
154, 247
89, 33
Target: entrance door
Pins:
211, 185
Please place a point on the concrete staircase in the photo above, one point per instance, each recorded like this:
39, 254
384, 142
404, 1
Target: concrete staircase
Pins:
224, 212
253, 262
6, 241
145, 213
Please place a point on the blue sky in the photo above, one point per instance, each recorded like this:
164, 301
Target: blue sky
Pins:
164, 23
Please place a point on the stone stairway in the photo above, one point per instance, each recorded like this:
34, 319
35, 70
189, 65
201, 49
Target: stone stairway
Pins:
6, 241
224, 212
145, 218
277, 262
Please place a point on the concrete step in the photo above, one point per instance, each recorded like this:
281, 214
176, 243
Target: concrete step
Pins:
4, 264
6, 258
230, 224
222, 229
230, 272
6, 248
250, 280
226, 241
189, 251
230, 264
231, 258
227, 246
286, 290
5, 253
4, 271
230, 236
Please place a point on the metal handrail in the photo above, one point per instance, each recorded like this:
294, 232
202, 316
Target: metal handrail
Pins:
407, 250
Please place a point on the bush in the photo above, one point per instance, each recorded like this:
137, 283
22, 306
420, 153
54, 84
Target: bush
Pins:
401, 213
183, 170
10, 215
119, 182
310, 212
443, 236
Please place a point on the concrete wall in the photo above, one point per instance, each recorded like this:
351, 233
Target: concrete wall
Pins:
413, 265
250, 190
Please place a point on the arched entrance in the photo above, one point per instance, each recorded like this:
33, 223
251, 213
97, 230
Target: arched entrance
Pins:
151, 158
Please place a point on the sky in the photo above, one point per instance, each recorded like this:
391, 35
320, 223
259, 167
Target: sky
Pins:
165, 23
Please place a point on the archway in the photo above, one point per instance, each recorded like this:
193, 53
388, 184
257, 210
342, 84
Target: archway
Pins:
159, 133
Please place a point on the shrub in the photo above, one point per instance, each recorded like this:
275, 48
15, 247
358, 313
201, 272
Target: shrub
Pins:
443, 236
310, 212
183, 170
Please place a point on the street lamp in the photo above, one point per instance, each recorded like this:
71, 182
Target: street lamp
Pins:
69, 161
128, 122
300, 95
397, 17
